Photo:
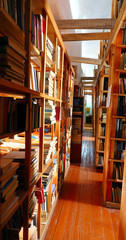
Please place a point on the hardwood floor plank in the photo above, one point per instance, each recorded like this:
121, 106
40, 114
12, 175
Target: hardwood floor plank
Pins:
80, 213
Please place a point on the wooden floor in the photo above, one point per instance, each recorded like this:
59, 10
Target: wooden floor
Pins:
79, 213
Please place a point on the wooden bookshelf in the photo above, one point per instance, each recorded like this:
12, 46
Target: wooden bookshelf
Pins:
115, 138
77, 129
102, 92
39, 99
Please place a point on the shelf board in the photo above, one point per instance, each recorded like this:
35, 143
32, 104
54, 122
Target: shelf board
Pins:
113, 205
43, 95
10, 28
116, 160
10, 134
10, 87
118, 116
119, 94
104, 91
22, 195
120, 46
115, 180
118, 139
123, 71
100, 151
106, 75
102, 122
103, 107
101, 137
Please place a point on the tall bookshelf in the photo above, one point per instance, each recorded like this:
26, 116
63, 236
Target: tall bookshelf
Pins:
41, 99
101, 117
115, 130
77, 129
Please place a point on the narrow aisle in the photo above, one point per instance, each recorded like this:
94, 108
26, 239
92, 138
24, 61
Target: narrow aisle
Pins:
79, 213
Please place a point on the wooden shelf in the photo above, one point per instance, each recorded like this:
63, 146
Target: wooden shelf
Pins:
9, 135
101, 137
99, 151
113, 205
116, 160
118, 139
118, 116
122, 71
119, 94
115, 180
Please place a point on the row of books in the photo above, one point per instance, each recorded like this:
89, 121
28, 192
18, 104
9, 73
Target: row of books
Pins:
15, 114
103, 117
104, 99
38, 29
119, 148
19, 157
49, 52
50, 83
100, 159
101, 144
123, 61
32, 203
12, 60
13, 228
102, 130
124, 37
16, 10
117, 171
121, 107
49, 147
16, 151
34, 79
36, 114
120, 128
105, 86
8, 185
116, 194
122, 85
50, 112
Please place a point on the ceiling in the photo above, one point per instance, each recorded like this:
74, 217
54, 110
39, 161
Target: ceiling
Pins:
82, 9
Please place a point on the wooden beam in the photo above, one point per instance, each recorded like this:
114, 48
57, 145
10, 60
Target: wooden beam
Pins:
103, 23
86, 60
87, 83
87, 78
86, 36
117, 26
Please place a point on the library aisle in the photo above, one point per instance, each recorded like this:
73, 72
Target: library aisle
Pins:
80, 213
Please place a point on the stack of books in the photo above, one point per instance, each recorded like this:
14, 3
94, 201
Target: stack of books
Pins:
32, 203
122, 85
121, 108
49, 83
19, 157
15, 114
46, 177
117, 171
49, 51
116, 194
34, 79
36, 114
12, 60
8, 185
123, 61
119, 148
101, 159
120, 128
50, 112
16, 10
49, 147
38, 30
